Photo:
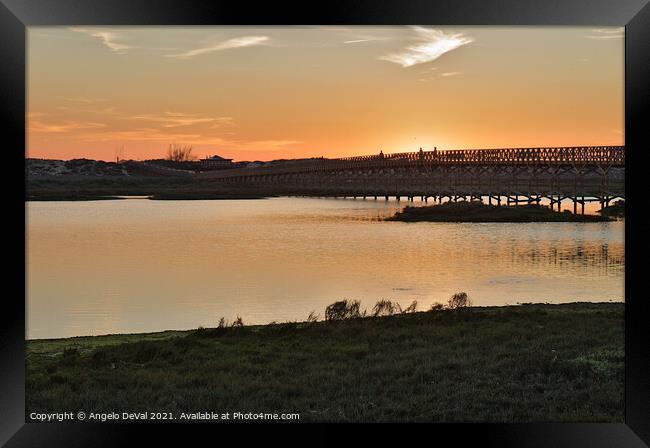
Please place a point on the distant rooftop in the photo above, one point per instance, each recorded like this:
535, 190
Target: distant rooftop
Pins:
215, 157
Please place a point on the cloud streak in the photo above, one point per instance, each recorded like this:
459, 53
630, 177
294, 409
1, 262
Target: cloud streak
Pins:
272, 144
441, 75
178, 119
237, 42
431, 45
108, 38
607, 33
153, 135
60, 128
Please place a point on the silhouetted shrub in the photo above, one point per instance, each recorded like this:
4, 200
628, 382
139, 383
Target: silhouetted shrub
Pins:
458, 301
412, 308
383, 308
180, 153
437, 306
313, 317
343, 309
238, 322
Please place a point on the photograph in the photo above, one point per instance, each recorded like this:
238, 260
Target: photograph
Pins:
325, 223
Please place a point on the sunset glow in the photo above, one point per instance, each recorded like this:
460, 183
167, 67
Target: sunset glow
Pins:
261, 93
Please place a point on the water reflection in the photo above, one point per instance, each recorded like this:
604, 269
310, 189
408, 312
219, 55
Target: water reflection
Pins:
138, 265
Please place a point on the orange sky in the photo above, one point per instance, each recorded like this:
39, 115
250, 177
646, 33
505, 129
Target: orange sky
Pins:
259, 93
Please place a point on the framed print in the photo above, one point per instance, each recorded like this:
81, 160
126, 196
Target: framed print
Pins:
360, 212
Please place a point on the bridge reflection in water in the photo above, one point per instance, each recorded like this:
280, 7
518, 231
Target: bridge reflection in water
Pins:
514, 175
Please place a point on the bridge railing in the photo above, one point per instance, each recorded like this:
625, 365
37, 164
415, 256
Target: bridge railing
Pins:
615, 154
579, 155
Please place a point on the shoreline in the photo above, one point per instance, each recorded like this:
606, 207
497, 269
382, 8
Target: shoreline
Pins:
154, 197
180, 332
564, 216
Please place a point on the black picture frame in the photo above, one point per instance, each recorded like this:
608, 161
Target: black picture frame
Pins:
16, 15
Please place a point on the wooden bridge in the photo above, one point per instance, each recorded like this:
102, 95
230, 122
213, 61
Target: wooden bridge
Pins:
582, 174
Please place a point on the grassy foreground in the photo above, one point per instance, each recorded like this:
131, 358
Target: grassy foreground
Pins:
496, 364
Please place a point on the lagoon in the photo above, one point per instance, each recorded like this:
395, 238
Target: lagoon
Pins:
127, 266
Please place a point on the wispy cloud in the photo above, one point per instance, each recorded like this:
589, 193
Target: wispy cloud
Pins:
273, 144
88, 107
237, 42
84, 100
170, 126
58, 128
178, 119
350, 35
222, 121
162, 136
140, 134
607, 33
431, 45
362, 38
108, 38
434, 77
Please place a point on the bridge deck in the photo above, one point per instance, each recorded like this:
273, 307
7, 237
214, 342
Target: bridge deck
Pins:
578, 156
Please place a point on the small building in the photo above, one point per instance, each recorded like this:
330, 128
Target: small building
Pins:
216, 162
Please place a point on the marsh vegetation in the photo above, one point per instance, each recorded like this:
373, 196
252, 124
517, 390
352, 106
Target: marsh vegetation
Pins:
476, 211
532, 362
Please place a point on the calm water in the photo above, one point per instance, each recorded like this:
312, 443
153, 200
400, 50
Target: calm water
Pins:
138, 265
